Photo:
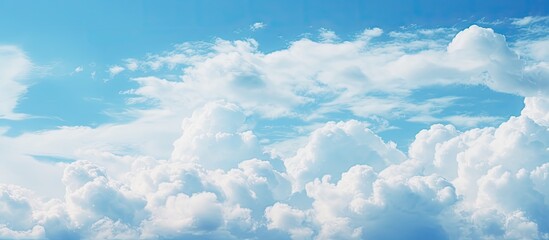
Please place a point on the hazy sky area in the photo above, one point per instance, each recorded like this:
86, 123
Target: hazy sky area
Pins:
274, 119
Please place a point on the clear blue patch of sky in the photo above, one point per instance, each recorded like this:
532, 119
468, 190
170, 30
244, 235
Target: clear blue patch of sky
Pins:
472, 100
52, 159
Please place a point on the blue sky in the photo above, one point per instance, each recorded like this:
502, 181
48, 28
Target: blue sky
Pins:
290, 119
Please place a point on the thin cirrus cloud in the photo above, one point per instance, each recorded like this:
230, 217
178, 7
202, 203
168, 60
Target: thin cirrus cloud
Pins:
212, 176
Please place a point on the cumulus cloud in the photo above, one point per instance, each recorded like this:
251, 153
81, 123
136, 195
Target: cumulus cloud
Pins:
25, 216
361, 146
285, 218
16, 210
452, 180
90, 196
14, 64
537, 109
214, 138
344, 181
354, 185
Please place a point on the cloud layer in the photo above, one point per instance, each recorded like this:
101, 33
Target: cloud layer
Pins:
220, 181
346, 182
365, 76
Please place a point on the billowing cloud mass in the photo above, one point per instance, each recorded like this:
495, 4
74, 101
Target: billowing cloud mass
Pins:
221, 181
346, 182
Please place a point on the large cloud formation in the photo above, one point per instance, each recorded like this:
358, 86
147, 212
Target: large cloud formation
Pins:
486, 183
365, 76
345, 182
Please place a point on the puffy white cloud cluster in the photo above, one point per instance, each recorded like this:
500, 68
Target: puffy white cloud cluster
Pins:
344, 183
323, 153
214, 137
480, 184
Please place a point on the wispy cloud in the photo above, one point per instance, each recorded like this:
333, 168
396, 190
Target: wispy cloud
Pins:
528, 20
78, 69
115, 70
257, 26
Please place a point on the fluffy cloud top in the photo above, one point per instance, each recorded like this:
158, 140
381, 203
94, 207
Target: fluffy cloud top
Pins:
214, 138
323, 153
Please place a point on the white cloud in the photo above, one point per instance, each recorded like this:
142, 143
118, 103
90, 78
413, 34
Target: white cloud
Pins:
369, 33
471, 121
364, 77
458, 120
16, 211
90, 196
403, 35
106, 228
327, 35
185, 214
36, 232
14, 65
213, 137
150, 135
344, 182
78, 69
534, 50
24, 215
284, 217
132, 64
115, 70
528, 20
258, 25
476, 168
359, 143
